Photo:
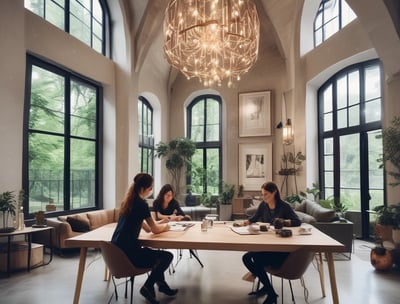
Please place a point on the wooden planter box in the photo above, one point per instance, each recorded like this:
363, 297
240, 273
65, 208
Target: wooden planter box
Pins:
19, 256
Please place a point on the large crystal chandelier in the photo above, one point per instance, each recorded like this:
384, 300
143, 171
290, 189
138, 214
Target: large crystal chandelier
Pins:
211, 39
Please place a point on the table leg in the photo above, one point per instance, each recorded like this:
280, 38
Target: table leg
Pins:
79, 278
332, 277
320, 267
29, 251
8, 255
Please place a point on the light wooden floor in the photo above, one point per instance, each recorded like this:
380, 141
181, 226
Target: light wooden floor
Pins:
218, 282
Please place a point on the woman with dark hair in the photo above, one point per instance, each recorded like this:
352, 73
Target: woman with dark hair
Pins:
271, 208
167, 207
135, 215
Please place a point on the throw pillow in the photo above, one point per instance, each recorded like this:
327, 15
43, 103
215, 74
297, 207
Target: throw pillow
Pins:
78, 223
320, 213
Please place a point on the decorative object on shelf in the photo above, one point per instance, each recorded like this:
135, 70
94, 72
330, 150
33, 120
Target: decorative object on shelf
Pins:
50, 206
8, 209
255, 165
177, 153
290, 166
240, 191
255, 114
40, 220
211, 39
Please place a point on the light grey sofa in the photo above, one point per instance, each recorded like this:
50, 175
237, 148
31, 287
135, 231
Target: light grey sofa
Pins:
324, 219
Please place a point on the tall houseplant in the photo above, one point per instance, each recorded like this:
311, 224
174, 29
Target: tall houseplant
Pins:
177, 153
390, 215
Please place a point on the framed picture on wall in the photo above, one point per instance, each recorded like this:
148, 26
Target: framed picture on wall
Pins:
255, 114
255, 165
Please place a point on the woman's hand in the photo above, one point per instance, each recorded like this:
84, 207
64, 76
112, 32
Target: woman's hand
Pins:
163, 221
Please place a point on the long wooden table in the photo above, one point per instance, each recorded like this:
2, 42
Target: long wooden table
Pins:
220, 237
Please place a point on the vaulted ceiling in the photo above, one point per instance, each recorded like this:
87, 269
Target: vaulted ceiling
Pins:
145, 19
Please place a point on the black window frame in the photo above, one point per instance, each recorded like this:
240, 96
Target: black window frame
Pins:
210, 144
146, 139
33, 60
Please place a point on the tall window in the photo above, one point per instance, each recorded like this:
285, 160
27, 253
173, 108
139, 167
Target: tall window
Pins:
332, 16
349, 122
204, 128
61, 142
146, 136
83, 19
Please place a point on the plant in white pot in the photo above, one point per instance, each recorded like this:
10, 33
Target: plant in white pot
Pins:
7, 207
225, 201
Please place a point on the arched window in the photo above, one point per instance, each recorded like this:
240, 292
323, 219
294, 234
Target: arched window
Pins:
85, 20
332, 16
204, 128
146, 136
349, 108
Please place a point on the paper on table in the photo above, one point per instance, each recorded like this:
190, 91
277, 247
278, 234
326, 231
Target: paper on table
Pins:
177, 226
244, 230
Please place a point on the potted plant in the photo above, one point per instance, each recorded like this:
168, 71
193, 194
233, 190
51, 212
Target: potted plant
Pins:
177, 153
389, 215
7, 207
225, 201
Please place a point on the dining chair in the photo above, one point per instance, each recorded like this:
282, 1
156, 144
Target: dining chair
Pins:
120, 266
293, 268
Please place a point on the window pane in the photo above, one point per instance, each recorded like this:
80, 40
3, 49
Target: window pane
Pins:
47, 101
331, 28
197, 172
372, 82
83, 110
347, 14
341, 92
354, 88
328, 99
213, 177
328, 162
328, 122
55, 13
46, 171
328, 179
83, 161
350, 161
212, 120
328, 146
197, 125
373, 111
354, 116
342, 119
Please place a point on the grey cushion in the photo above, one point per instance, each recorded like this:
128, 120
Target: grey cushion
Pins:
305, 218
320, 213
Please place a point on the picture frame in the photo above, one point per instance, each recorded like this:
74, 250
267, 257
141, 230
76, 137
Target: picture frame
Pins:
255, 165
255, 114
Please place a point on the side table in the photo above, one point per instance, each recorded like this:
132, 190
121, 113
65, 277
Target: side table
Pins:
27, 232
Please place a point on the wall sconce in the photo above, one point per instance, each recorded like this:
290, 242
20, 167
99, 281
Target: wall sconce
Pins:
288, 136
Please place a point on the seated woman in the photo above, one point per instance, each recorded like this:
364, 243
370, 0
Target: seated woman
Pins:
166, 206
272, 207
135, 215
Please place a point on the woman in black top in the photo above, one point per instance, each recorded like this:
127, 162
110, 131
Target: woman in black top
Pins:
167, 207
135, 215
271, 208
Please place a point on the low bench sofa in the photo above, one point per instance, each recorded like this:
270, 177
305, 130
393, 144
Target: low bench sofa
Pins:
326, 220
67, 226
